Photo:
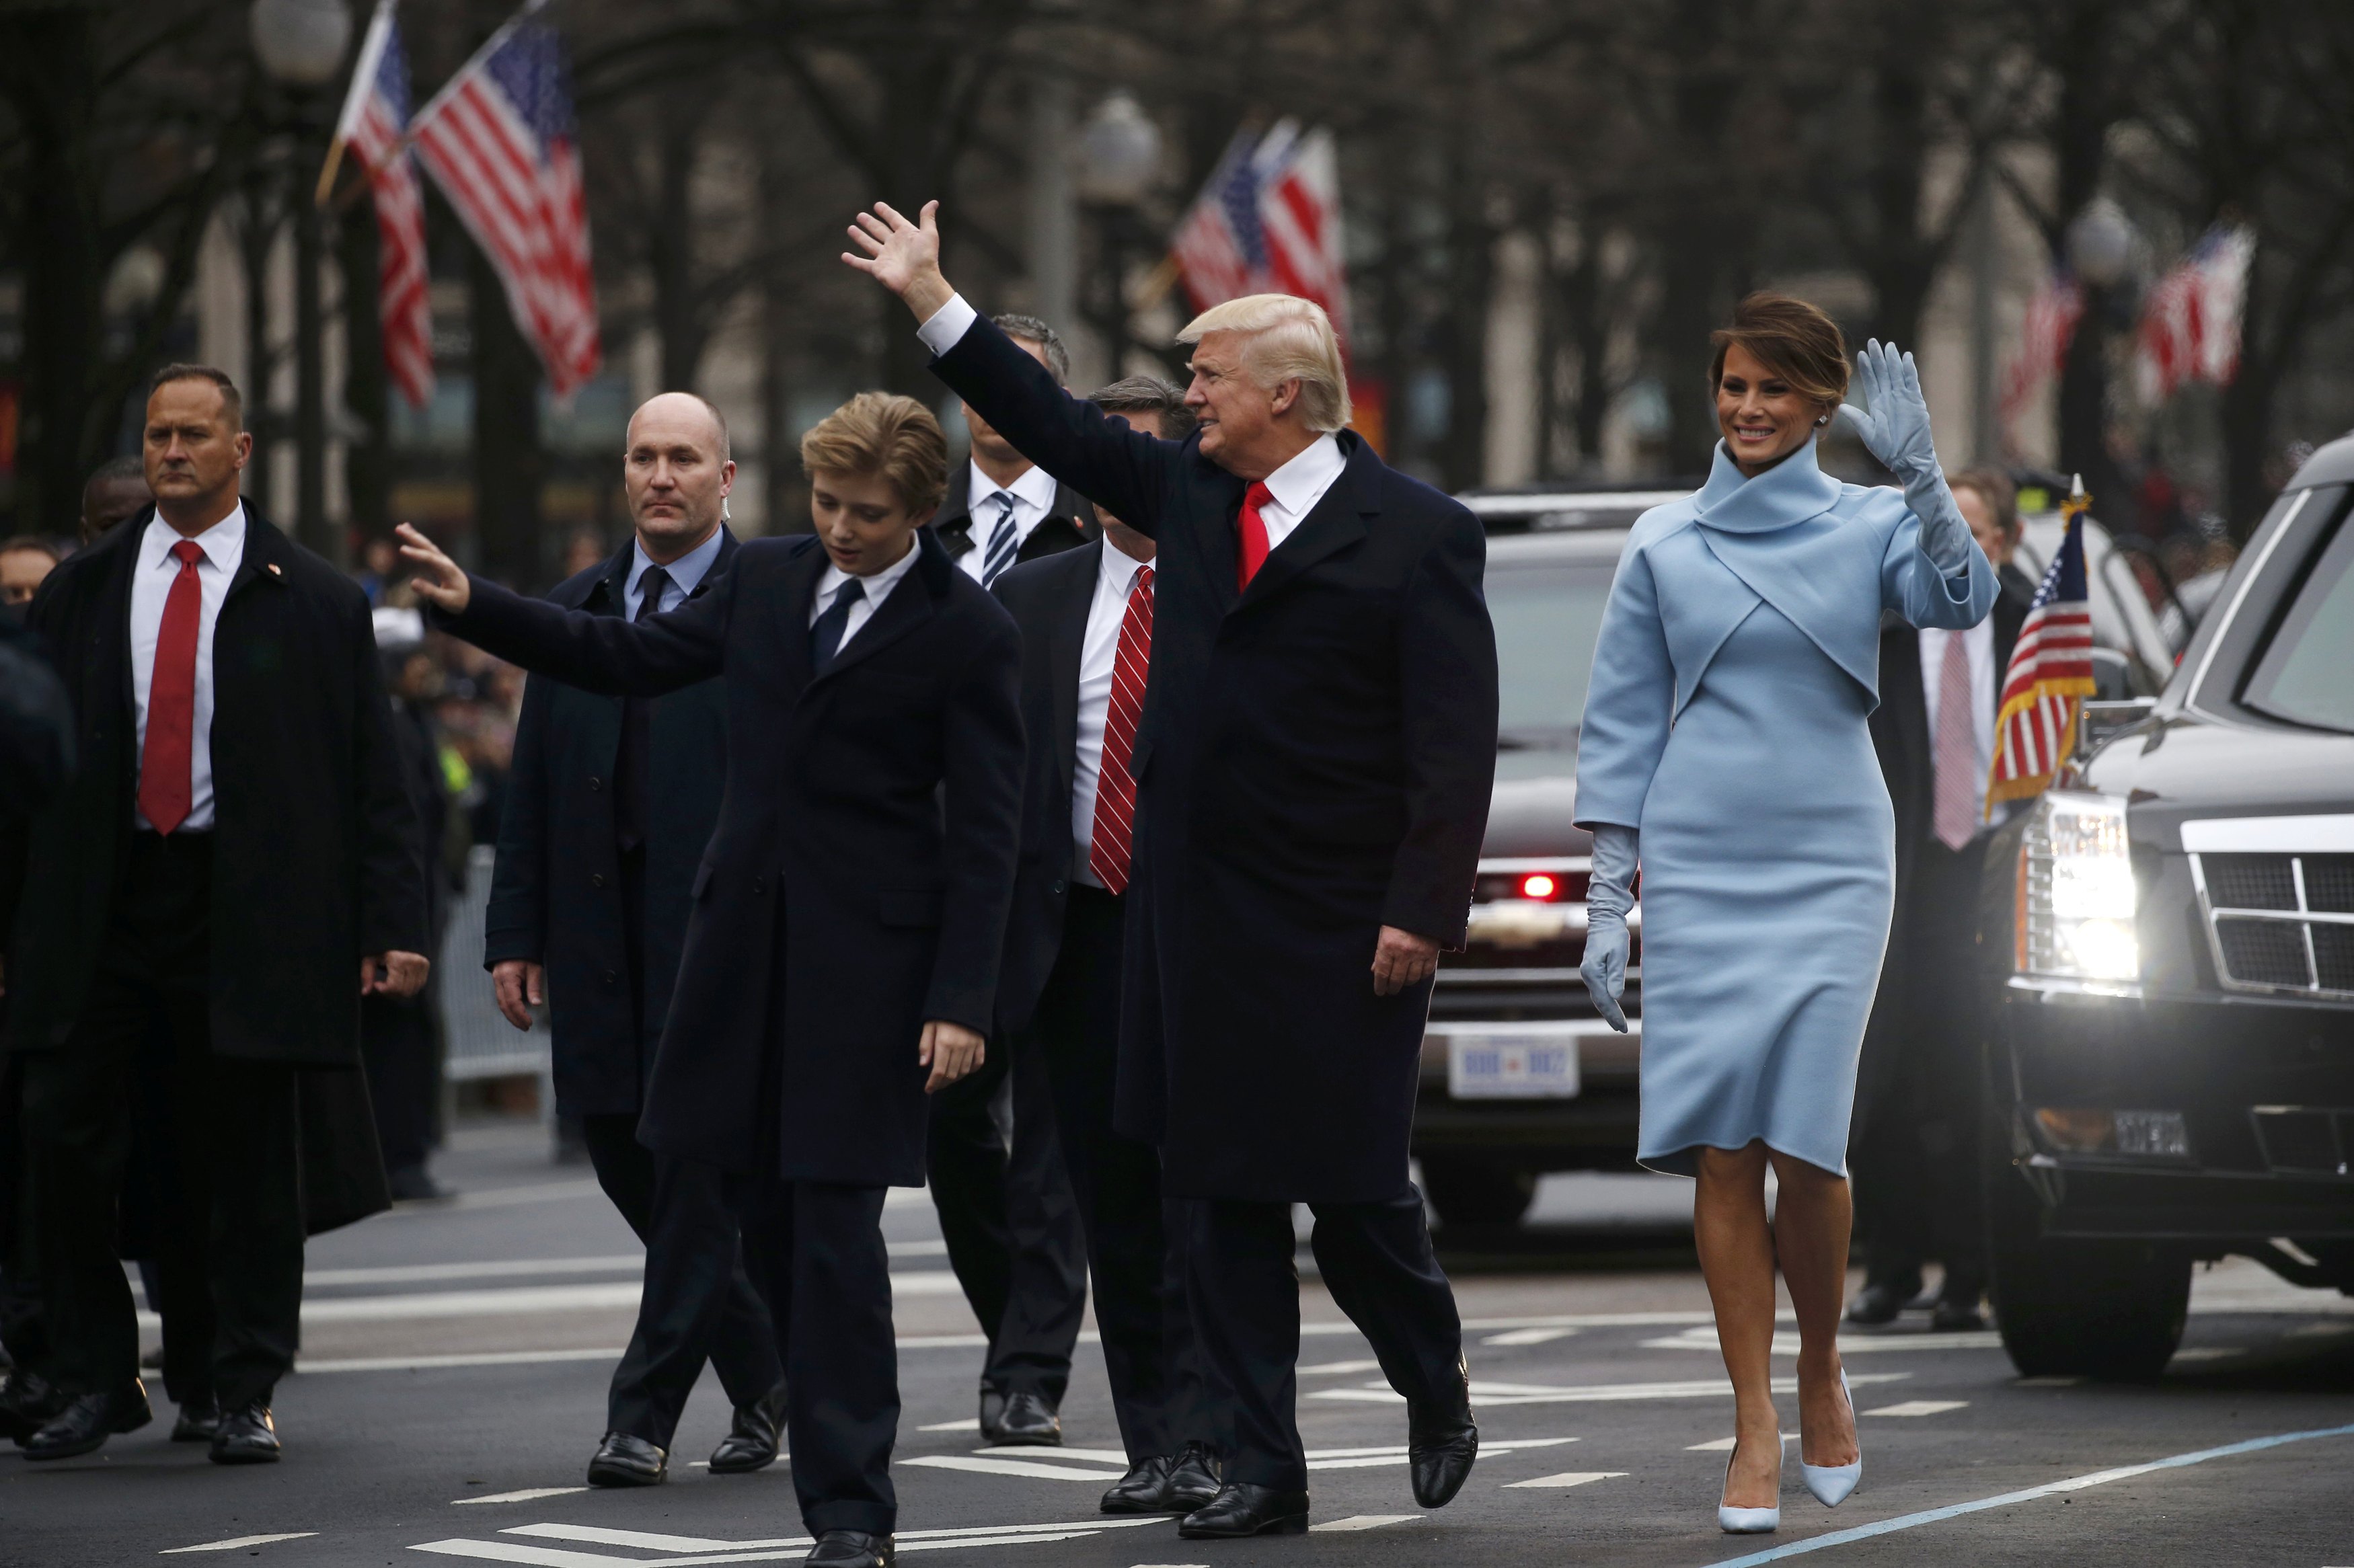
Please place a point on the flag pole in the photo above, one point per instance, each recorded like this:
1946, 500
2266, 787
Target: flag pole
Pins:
363, 80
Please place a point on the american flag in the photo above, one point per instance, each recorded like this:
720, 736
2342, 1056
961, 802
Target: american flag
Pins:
2043, 339
2050, 676
500, 142
1268, 221
375, 119
2190, 323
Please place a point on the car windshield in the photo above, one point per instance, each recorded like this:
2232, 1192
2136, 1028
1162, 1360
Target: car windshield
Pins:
1547, 620
2303, 675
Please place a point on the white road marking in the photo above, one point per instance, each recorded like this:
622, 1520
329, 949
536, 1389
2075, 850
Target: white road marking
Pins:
1918, 1407
1098, 1456
2069, 1381
1724, 1444
2073, 1484
601, 1353
702, 1551
1338, 1369
1704, 1338
502, 1197
2210, 1353
1366, 1521
969, 1424
534, 1300
235, 1542
598, 1535
1030, 1468
1489, 1396
1528, 1337
529, 1494
1569, 1478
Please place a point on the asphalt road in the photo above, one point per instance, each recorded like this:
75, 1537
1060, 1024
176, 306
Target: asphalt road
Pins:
456, 1357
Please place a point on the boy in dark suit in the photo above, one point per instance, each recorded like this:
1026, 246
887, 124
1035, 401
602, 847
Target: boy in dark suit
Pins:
848, 917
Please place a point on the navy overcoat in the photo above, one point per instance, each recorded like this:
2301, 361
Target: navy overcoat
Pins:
1314, 763
857, 881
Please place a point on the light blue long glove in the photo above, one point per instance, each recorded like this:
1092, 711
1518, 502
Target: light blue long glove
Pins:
1895, 430
1610, 893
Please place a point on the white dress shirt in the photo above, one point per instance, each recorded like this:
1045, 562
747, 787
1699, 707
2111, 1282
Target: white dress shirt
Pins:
1296, 487
686, 573
1098, 654
151, 584
878, 588
1034, 501
1978, 645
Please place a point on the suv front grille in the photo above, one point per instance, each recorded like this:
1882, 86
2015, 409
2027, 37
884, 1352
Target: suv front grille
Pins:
2280, 922
2301, 1141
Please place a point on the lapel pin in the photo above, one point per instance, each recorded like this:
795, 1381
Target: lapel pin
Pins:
275, 570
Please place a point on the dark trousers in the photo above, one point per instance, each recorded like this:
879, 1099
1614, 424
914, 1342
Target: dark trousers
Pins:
698, 1301
404, 1080
228, 1257
1009, 1219
1914, 1158
1140, 1286
1377, 1261
816, 1251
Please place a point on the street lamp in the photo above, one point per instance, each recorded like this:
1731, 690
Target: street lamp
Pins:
1118, 160
300, 45
2100, 243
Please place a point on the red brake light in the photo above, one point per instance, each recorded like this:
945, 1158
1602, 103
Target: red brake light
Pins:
1537, 884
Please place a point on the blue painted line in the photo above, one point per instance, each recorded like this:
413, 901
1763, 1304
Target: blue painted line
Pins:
2074, 1484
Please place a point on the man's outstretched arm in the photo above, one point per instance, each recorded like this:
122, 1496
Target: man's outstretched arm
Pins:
1096, 455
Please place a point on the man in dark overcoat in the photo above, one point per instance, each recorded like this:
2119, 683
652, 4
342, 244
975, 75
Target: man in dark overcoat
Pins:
236, 863
843, 950
610, 804
1314, 766
1912, 1147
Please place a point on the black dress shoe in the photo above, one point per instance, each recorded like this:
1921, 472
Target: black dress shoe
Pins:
1192, 1480
246, 1435
1880, 1300
752, 1442
199, 1420
621, 1460
1242, 1509
83, 1424
1955, 1317
28, 1402
851, 1548
414, 1185
1144, 1489
1027, 1421
1439, 1456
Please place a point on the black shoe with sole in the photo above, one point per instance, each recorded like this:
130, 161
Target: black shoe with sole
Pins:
751, 1443
246, 1435
83, 1424
1241, 1508
1193, 1479
851, 1548
621, 1460
1881, 1299
1439, 1457
1027, 1421
1144, 1489
28, 1402
199, 1420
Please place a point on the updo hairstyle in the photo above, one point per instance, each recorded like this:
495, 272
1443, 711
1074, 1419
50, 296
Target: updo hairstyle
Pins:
1791, 338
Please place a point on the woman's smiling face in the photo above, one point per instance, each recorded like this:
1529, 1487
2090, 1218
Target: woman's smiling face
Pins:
1762, 418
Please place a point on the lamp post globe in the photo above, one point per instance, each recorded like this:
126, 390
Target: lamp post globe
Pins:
2101, 242
300, 43
1120, 152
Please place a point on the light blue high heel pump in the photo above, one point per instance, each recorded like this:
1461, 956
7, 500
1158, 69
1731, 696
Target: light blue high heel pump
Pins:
1751, 1521
1832, 1483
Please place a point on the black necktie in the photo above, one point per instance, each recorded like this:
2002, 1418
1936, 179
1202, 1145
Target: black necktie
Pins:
631, 805
825, 636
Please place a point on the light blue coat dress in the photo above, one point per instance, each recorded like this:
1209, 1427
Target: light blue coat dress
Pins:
1739, 659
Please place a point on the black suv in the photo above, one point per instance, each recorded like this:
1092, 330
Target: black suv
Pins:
2170, 1056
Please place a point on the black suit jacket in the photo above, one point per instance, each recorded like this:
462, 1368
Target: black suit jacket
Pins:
1049, 600
555, 897
317, 854
857, 881
1071, 523
1314, 762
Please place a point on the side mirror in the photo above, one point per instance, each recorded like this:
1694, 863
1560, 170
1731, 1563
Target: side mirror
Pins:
2102, 719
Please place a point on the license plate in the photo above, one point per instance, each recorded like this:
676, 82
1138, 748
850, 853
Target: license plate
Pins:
1508, 1064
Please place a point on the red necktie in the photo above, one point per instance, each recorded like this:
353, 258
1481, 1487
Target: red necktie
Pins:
1107, 850
1252, 528
165, 760
1954, 754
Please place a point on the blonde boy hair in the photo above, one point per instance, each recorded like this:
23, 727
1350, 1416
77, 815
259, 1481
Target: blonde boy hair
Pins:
881, 432
1286, 337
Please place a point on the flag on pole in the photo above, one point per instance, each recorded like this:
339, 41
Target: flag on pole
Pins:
2043, 339
500, 141
2191, 322
1267, 221
374, 120
2050, 672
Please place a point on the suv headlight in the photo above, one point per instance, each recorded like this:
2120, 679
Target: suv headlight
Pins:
2075, 915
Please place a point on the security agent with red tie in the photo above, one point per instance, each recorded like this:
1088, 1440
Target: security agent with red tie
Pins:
237, 863
1086, 646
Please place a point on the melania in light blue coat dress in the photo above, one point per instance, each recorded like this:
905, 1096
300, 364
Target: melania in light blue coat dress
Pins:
1738, 661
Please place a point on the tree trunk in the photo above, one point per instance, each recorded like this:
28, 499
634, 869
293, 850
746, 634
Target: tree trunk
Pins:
508, 463
1471, 266
368, 472
678, 320
53, 88
2086, 110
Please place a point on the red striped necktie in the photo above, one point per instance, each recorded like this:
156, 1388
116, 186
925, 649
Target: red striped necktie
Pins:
167, 759
1251, 531
1107, 850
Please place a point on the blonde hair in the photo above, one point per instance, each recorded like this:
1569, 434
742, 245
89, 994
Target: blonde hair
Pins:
881, 432
1286, 337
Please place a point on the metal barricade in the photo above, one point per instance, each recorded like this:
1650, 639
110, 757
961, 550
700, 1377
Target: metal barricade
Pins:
482, 1042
